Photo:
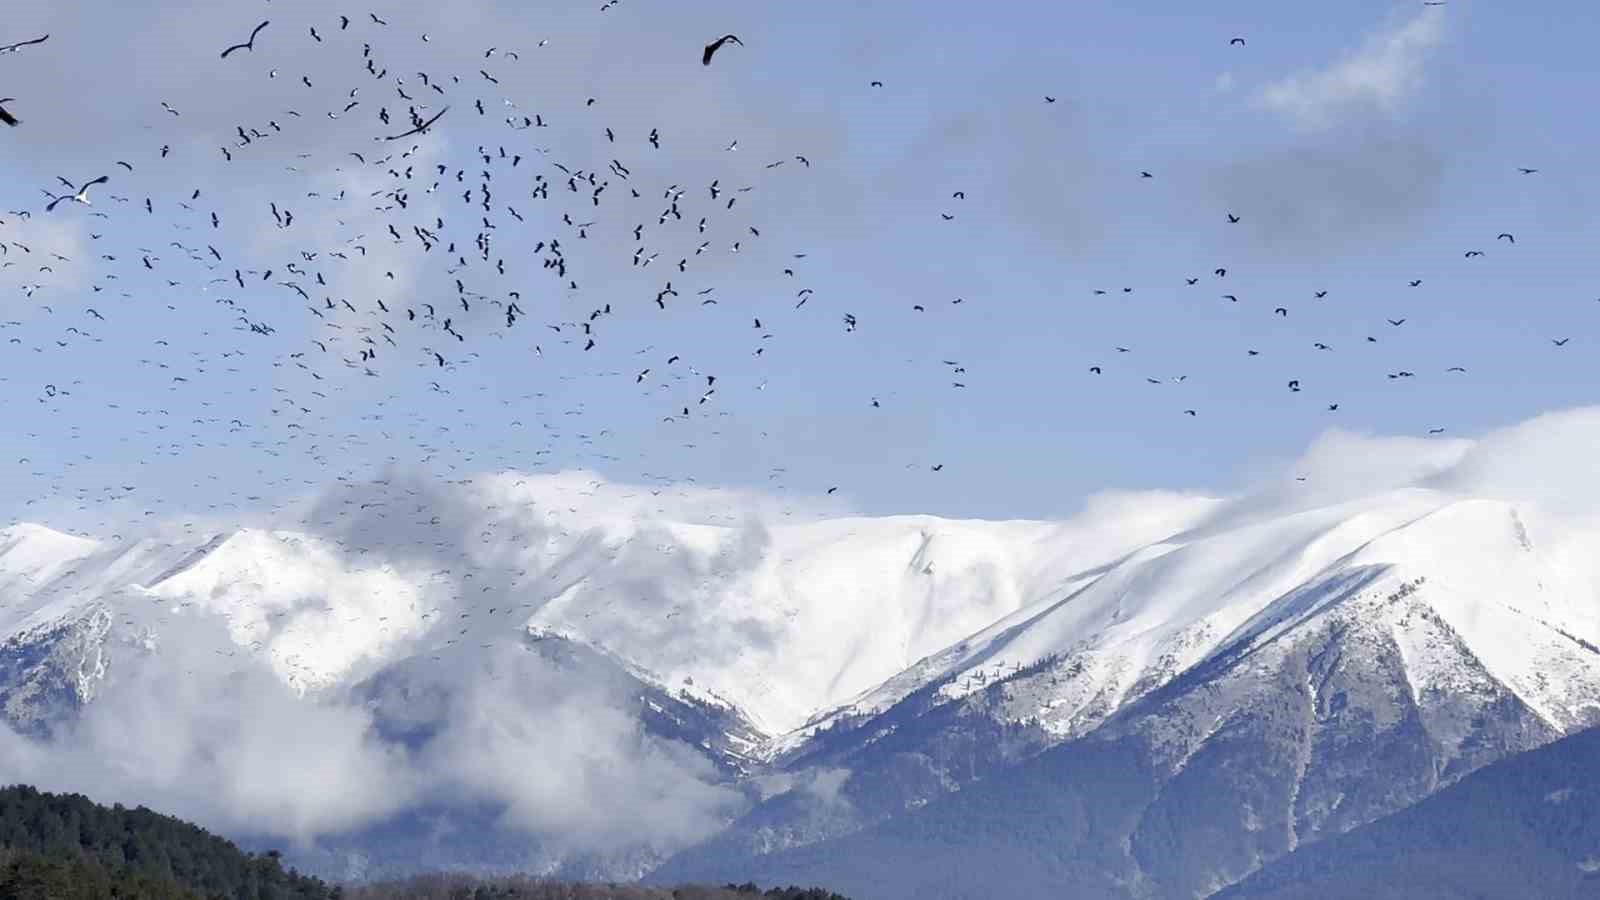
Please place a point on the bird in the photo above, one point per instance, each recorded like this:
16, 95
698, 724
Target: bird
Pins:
714, 46
81, 195
1238, 40
7, 117
12, 48
420, 128
1560, 343
1526, 171
247, 45
1396, 322
1506, 236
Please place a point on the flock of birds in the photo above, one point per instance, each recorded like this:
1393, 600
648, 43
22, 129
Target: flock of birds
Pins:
492, 292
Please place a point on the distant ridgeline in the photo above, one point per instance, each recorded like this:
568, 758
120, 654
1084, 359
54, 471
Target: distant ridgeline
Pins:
67, 847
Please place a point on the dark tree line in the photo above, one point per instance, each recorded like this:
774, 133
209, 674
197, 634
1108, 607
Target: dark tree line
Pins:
67, 847
69, 832
467, 887
31, 876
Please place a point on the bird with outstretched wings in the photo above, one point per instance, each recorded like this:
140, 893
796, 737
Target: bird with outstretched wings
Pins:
714, 46
12, 48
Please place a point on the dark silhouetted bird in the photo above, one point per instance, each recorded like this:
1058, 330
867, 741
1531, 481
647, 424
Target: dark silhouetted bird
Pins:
714, 46
247, 45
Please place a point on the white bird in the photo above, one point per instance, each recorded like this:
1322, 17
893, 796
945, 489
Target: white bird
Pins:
81, 196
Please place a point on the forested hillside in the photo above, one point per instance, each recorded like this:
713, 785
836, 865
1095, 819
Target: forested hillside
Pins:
65, 838
67, 847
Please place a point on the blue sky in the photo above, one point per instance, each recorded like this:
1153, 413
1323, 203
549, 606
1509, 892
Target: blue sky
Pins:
1363, 145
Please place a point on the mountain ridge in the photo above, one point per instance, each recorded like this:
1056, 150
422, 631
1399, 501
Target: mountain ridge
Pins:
1420, 630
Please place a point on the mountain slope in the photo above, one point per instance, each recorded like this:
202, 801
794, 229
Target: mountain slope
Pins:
442, 666
781, 621
1340, 668
1525, 826
1268, 674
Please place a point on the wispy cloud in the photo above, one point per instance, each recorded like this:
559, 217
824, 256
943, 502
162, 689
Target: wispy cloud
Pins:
184, 726
1382, 74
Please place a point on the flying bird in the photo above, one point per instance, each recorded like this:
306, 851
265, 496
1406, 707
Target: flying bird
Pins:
714, 46
247, 45
12, 48
6, 117
420, 129
80, 196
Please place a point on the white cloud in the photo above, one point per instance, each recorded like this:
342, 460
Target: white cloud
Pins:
201, 729
1386, 70
1544, 466
185, 731
569, 762
1548, 461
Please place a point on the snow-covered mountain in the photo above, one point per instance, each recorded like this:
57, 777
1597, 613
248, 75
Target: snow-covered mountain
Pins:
1277, 682
494, 657
782, 621
712, 631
